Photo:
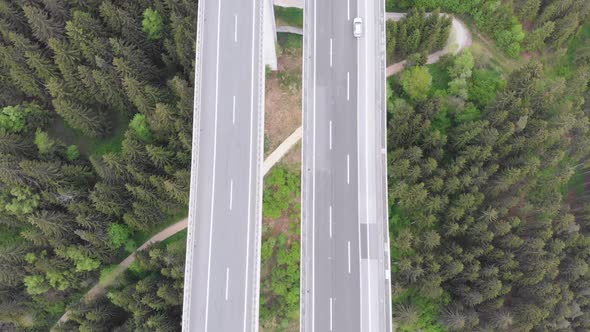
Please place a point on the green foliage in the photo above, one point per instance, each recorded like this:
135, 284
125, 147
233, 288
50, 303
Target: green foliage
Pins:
152, 24
289, 16
491, 16
416, 82
118, 235
280, 290
20, 201
416, 33
36, 284
290, 43
473, 190
72, 153
90, 67
141, 127
13, 118
470, 113
81, 260
413, 312
484, 86
281, 185
44, 143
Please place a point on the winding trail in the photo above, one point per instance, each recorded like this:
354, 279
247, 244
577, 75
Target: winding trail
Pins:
100, 288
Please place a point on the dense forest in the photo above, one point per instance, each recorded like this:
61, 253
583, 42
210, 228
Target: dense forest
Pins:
101, 71
487, 233
416, 35
487, 167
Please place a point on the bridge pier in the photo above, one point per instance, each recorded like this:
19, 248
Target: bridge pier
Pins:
269, 35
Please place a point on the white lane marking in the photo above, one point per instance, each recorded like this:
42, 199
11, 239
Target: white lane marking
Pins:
330, 134
315, 33
348, 169
349, 257
250, 168
348, 9
330, 211
227, 283
231, 194
233, 112
236, 28
367, 94
331, 53
331, 315
348, 86
214, 162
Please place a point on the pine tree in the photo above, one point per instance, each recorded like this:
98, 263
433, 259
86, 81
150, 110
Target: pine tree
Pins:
42, 25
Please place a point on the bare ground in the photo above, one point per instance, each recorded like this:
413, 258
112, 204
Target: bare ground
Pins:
283, 106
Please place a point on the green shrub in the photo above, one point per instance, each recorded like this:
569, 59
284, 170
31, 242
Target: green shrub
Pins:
72, 153
141, 127
416, 82
44, 143
118, 234
152, 23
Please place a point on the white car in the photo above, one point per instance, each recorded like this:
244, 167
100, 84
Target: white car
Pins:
357, 27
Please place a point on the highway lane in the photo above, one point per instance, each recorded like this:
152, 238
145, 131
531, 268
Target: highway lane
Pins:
222, 269
330, 271
345, 260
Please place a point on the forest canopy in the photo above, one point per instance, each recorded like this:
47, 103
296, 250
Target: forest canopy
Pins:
95, 146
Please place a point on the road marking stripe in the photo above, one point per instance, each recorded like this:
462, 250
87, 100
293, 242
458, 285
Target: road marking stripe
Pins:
348, 9
233, 113
348, 86
348, 169
236, 28
231, 194
214, 162
250, 170
330, 134
313, 167
330, 210
227, 284
331, 53
349, 257
331, 314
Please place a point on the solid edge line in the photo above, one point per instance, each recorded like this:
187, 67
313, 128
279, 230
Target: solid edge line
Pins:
258, 192
358, 107
259, 169
313, 165
303, 232
214, 162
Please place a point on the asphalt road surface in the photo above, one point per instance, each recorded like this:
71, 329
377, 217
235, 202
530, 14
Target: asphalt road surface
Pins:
222, 270
345, 259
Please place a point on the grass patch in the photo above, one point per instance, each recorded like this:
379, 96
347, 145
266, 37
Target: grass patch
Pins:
90, 146
440, 76
289, 16
141, 237
289, 41
576, 183
180, 236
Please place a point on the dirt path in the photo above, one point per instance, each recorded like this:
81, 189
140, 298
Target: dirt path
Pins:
100, 287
